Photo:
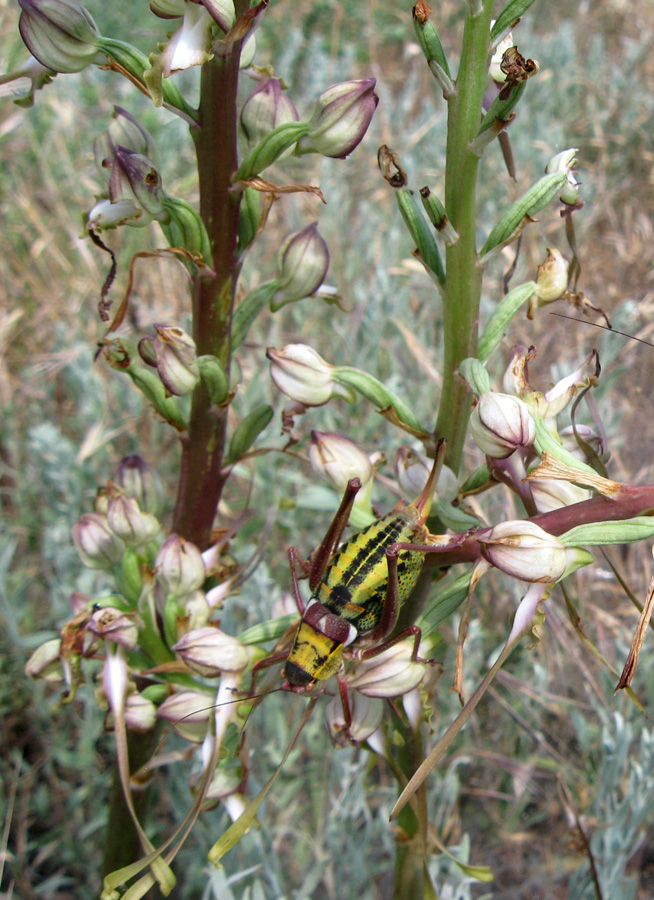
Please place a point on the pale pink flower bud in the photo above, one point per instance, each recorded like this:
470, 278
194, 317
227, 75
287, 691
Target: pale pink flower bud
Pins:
302, 265
61, 34
304, 376
114, 625
188, 713
524, 550
124, 131
412, 470
266, 108
550, 494
45, 662
179, 565
367, 714
138, 480
97, 546
176, 359
388, 674
140, 713
339, 459
341, 118
209, 651
500, 423
126, 520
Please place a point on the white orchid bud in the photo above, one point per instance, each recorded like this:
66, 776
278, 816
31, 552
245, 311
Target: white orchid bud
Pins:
60, 34
45, 662
114, 625
188, 712
500, 423
179, 565
209, 651
140, 713
339, 460
367, 714
341, 118
526, 551
304, 376
126, 520
97, 545
388, 674
412, 470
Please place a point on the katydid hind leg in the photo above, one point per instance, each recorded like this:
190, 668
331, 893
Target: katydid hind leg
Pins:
334, 534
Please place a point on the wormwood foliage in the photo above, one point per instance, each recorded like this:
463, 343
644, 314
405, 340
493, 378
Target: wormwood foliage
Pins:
505, 480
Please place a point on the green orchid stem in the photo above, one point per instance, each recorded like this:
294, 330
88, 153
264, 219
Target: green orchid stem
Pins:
463, 278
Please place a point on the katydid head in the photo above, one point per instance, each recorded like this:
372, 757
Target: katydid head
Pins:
317, 652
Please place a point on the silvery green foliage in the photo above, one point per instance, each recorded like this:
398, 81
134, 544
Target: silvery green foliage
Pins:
623, 805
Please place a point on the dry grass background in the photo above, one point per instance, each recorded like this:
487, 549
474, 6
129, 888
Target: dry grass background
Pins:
552, 739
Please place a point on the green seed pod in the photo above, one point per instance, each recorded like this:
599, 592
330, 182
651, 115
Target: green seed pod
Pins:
378, 394
503, 314
249, 216
430, 43
519, 213
420, 232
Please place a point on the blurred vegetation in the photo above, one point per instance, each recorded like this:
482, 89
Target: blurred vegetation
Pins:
551, 755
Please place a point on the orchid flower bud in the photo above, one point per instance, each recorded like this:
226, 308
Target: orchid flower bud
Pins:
21, 84
179, 566
45, 662
500, 423
188, 713
128, 522
338, 459
61, 34
176, 359
266, 108
588, 435
168, 9
412, 471
388, 674
341, 118
550, 494
304, 376
135, 178
222, 12
137, 479
367, 714
224, 787
140, 713
302, 265
209, 651
114, 625
524, 550
565, 162
108, 214
98, 547
124, 131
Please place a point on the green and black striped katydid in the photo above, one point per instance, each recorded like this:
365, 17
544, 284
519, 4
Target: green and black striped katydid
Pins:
357, 590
